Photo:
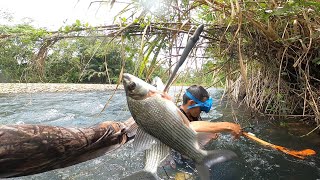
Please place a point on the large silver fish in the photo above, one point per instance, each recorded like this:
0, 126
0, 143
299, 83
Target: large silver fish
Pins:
154, 155
152, 159
162, 119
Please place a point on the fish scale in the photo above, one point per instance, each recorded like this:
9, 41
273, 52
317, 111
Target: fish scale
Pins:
154, 122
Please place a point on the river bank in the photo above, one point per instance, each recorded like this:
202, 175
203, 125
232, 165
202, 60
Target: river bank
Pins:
12, 88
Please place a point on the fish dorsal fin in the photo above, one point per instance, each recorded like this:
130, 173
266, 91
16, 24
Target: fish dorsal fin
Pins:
157, 82
143, 140
185, 120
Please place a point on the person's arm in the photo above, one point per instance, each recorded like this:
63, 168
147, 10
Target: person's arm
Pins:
216, 127
29, 149
211, 127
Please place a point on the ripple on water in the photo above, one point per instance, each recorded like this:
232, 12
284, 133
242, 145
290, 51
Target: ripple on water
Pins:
80, 110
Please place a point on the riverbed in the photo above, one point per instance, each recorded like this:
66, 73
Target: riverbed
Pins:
81, 109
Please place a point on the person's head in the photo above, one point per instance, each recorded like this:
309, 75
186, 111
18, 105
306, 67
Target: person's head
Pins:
196, 99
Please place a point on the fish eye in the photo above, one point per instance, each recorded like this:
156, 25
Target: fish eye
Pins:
131, 86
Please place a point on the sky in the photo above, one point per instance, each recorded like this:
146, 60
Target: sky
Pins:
52, 14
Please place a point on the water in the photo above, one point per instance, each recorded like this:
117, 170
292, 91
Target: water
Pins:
81, 109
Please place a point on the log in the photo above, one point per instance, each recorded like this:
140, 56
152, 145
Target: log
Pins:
29, 149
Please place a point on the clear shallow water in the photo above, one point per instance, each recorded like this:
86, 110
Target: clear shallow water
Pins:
81, 109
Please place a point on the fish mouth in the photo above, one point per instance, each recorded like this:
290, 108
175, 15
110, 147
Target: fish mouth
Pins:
128, 82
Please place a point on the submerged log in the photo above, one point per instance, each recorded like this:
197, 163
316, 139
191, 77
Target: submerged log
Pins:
31, 149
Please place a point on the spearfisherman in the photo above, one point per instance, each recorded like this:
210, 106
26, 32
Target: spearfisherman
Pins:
195, 100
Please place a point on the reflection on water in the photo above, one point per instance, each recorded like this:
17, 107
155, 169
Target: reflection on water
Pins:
82, 109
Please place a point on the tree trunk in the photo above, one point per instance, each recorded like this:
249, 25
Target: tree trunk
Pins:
41, 56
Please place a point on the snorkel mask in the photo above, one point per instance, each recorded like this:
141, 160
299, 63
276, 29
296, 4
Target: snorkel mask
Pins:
204, 106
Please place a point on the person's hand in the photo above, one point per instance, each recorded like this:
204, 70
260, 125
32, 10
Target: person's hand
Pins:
236, 130
166, 96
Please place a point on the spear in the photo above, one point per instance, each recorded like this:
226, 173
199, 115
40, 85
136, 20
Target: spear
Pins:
190, 44
299, 154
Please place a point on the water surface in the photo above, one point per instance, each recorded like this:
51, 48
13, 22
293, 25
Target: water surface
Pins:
81, 109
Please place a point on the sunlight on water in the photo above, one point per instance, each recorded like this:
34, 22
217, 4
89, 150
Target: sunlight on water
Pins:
82, 110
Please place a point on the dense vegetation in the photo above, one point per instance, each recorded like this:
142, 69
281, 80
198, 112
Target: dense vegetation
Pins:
35, 55
266, 53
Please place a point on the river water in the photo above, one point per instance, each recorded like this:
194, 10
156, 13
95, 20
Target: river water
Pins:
80, 109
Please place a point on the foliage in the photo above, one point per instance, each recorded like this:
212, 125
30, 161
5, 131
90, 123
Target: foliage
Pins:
253, 45
264, 52
62, 64
17, 52
66, 56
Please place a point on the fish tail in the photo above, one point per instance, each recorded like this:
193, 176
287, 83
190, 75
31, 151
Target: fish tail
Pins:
142, 175
211, 159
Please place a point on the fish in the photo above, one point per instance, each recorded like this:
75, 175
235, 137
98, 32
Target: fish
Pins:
157, 82
160, 121
154, 155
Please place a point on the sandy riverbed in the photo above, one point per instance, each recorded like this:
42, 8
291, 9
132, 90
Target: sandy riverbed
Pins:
10, 88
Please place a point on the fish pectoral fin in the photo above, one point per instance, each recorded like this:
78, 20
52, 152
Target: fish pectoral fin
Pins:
165, 151
185, 120
167, 158
205, 137
153, 158
143, 140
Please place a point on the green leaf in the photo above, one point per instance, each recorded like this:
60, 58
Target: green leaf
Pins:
316, 61
78, 23
67, 29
